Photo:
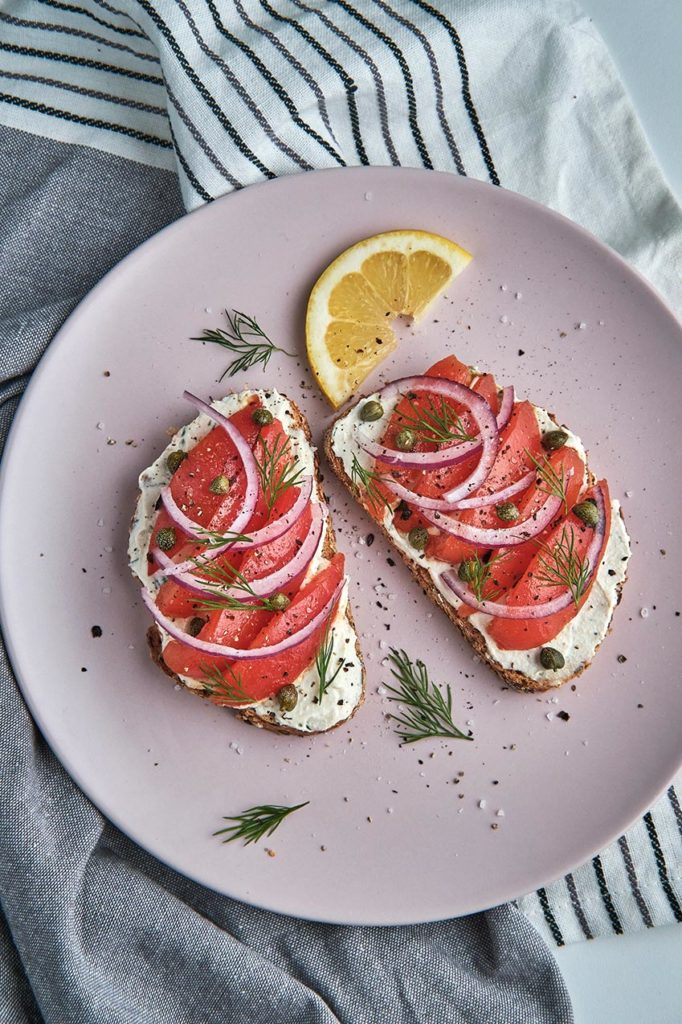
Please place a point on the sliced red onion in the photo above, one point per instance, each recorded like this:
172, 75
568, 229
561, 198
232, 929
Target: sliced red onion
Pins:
506, 407
257, 538
503, 537
250, 471
537, 610
266, 585
450, 455
237, 653
484, 500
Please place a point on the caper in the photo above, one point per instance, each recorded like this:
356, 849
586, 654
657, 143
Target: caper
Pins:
219, 485
507, 511
371, 411
174, 459
287, 697
587, 512
551, 658
405, 439
165, 538
467, 570
195, 625
263, 417
418, 537
278, 602
554, 440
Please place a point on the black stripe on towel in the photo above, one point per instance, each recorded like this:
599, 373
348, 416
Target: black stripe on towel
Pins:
82, 62
66, 115
675, 804
549, 918
73, 9
577, 906
67, 30
606, 895
662, 867
634, 884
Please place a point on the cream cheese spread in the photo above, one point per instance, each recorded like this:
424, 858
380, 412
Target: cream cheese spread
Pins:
344, 694
580, 638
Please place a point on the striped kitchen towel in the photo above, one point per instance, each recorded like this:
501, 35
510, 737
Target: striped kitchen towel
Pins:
231, 92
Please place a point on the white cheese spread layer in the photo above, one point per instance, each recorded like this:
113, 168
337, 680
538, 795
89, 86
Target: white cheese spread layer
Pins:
343, 695
579, 639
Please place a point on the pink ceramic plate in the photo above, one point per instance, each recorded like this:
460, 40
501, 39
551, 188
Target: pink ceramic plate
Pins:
391, 834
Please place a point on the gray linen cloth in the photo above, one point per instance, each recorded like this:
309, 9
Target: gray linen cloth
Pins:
92, 928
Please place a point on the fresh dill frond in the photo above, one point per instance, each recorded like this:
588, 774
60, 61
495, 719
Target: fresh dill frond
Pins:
216, 580
428, 713
477, 572
246, 338
276, 468
214, 539
323, 661
256, 822
367, 480
562, 566
551, 482
216, 685
437, 424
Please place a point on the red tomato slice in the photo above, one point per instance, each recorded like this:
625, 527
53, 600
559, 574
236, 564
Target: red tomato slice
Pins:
262, 677
525, 634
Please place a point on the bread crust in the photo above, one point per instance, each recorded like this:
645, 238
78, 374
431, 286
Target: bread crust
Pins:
476, 639
250, 715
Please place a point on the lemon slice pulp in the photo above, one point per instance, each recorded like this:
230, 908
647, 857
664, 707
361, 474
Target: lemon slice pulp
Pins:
354, 301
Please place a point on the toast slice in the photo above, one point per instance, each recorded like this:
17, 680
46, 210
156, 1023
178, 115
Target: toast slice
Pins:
310, 715
523, 669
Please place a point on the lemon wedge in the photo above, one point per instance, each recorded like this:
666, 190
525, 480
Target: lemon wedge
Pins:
355, 300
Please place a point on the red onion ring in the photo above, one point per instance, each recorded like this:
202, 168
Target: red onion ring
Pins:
266, 534
484, 500
506, 407
451, 455
237, 653
533, 611
274, 581
250, 471
503, 537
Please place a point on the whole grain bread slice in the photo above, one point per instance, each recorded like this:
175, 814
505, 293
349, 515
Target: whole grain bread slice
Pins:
267, 719
474, 636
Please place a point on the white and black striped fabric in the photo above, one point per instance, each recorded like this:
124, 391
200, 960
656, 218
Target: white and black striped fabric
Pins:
231, 92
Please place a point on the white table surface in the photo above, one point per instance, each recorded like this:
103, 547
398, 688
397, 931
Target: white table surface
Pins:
637, 979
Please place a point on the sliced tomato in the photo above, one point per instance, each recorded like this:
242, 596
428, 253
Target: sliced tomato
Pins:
525, 634
260, 678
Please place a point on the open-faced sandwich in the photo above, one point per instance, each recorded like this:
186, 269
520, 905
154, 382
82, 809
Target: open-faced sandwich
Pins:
494, 509
233, 545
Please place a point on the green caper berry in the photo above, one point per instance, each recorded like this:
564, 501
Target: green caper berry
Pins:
405, 440
587, 512
467, 570
165, 538
195, 625
507, 511
278, 602
219, 485
371, 411
551, 658
174, 460
554, 440
263, 417
418, 537
287, 698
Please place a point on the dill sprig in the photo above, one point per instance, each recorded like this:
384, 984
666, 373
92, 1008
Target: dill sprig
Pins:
428, 713
277, 470
216, 685
563, 567
551, 482
214, 539
477, 573
256, 822
215, 579
368, 480
323, 661
438, 425
246, 338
